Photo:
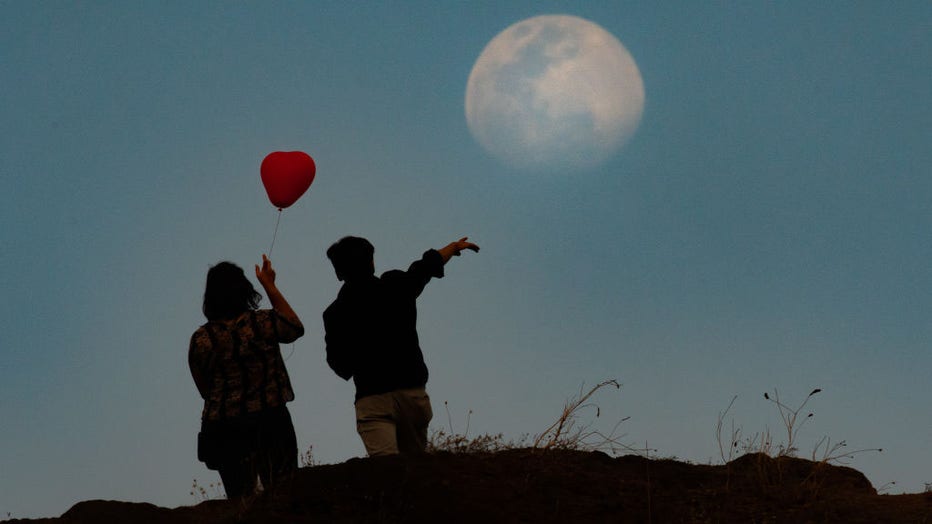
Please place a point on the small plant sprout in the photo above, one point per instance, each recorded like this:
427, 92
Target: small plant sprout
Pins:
446, 406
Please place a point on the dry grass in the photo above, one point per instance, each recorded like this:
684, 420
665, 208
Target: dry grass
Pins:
790, 417
449, 441
732, 444
213, 491
570, 431
441, 441
306, 459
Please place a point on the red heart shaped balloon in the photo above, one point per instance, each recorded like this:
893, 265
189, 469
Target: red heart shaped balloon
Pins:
286, 175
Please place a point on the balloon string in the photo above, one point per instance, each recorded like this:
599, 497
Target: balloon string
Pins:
275, 234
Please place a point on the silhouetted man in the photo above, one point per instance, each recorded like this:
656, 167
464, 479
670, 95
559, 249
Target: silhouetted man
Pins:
371, 335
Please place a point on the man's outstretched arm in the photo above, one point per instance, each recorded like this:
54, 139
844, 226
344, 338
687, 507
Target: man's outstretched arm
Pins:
429, 266
453, 249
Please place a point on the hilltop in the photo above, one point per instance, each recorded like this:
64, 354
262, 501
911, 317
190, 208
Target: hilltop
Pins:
526, 485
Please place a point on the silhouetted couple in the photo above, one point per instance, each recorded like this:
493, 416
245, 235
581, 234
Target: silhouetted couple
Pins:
371, 337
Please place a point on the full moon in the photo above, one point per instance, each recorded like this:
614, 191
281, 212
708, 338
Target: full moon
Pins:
554, 93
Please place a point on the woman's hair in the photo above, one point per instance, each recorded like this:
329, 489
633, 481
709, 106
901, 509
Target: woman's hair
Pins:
352, 258
228, 293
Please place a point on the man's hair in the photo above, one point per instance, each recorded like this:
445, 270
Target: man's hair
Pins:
352, 258
228, 293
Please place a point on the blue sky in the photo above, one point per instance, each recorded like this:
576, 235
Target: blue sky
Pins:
766, 227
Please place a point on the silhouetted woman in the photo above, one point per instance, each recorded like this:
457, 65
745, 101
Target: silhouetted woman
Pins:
237, 365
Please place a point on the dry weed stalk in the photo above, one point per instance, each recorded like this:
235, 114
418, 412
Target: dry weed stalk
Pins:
763, 442
307, 458
835, 452
789, 417
213, 491
760, 442
734, 436
567, 433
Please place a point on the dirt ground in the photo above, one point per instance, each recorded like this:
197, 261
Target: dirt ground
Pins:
522, 485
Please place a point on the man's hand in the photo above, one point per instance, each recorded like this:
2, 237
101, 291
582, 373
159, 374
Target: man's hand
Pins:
453, 249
